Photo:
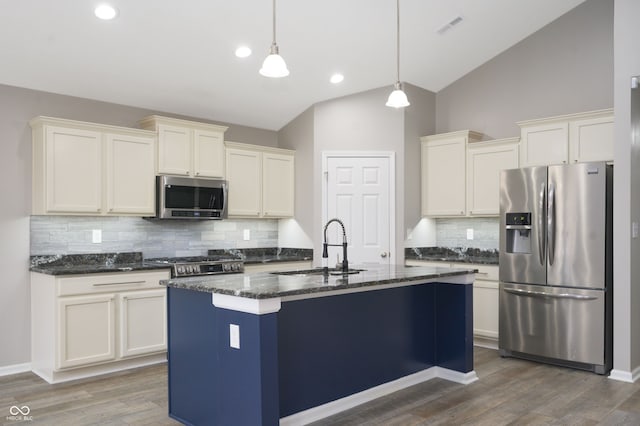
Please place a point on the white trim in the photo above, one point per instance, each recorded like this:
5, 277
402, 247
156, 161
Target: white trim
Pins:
342, 404
391, 156
243, 304
625, 376
8, 370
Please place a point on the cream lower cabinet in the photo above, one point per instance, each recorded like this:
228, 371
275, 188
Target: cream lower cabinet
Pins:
91, 169
261, 181
188, 148
572, 138
443, 169
485, 161
95, 323
485, 299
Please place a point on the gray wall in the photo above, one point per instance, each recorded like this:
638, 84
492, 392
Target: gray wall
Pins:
626, 350
17, 107
565, 67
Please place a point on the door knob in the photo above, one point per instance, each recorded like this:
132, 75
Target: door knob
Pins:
383, 254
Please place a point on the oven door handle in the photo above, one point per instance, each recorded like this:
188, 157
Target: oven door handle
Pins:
529, 293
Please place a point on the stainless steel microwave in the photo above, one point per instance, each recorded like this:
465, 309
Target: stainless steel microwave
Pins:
190, 198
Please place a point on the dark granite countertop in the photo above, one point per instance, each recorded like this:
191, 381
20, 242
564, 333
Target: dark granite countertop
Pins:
266, 285
75, 264
266, 255
457, 255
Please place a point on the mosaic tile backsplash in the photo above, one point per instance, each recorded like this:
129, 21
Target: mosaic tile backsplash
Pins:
51, 235
453, 232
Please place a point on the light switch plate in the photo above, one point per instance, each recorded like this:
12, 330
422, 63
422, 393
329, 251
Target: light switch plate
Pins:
634, 229
96, 236
469, 233
247, 234
234, 336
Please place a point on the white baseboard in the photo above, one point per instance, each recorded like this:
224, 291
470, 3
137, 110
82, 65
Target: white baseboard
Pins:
15, 369
625, 376
342, 404
485, 342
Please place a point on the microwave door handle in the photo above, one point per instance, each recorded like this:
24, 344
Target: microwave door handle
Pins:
551, 222
543, 193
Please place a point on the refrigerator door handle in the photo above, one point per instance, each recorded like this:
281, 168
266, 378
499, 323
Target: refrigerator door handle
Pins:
543, 188
551, 295
551, 222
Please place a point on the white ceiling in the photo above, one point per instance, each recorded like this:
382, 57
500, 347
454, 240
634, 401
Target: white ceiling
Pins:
178, 56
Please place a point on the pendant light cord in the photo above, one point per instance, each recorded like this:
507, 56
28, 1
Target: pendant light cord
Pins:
274, 21
397, 38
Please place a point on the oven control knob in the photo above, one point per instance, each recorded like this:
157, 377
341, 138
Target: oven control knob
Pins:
180, 269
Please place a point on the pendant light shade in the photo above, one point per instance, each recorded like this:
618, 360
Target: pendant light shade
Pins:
397, 98
273, 65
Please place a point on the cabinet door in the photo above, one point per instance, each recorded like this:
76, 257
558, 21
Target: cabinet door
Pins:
544, 144
174, 150
143, 322
208, 155
485, 309
130, 174
73, 170
277, 185
443, 177
591, 139
244, 174
484, 163
86, 330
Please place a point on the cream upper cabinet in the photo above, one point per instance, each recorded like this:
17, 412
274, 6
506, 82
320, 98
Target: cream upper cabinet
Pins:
277, 184
244, 174
567, 139
84, 168
443, 173
261, 180
485, 160
130, 169
188, 148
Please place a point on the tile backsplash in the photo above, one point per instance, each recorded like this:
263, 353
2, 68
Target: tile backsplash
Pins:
154, 238
453, 232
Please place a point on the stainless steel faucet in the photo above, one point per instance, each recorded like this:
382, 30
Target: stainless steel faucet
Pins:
325, 245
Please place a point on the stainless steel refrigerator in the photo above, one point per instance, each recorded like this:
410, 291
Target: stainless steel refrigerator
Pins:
556, 265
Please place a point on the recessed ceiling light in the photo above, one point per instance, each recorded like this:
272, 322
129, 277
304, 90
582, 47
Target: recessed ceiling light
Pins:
243, 52
106, 12
336, 78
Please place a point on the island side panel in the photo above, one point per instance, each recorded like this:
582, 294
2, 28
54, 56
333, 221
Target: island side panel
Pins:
454, 333
209, 381
192, 354
332, 347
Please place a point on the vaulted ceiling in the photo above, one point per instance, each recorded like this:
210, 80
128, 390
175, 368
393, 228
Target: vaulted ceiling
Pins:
178, 56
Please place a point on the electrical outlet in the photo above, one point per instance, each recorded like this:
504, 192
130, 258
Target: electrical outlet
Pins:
234, 336
247, 234
96, 236
634, 229
469, 233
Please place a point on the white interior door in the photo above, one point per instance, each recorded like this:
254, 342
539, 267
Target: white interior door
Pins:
358, 193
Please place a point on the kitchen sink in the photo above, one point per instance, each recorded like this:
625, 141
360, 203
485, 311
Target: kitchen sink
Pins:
318, 271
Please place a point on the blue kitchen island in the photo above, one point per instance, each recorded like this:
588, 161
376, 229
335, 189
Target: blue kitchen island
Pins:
267, 349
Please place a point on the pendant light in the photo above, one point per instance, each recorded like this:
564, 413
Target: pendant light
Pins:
397, 98
274, 66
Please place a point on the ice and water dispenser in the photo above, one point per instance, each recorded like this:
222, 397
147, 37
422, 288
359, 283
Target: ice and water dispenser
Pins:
518, 227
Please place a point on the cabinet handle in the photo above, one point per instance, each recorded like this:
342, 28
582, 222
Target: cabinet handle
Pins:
197, 173
482, 273
121, 283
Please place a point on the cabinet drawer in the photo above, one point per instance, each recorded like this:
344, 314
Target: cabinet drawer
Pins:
102, 283
434, 263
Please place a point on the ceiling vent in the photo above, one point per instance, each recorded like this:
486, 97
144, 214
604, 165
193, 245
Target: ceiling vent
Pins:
452, 23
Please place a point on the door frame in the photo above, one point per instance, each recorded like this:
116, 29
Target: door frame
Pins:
391, 156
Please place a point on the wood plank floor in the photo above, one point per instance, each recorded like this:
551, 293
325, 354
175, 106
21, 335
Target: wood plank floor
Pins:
509, 391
